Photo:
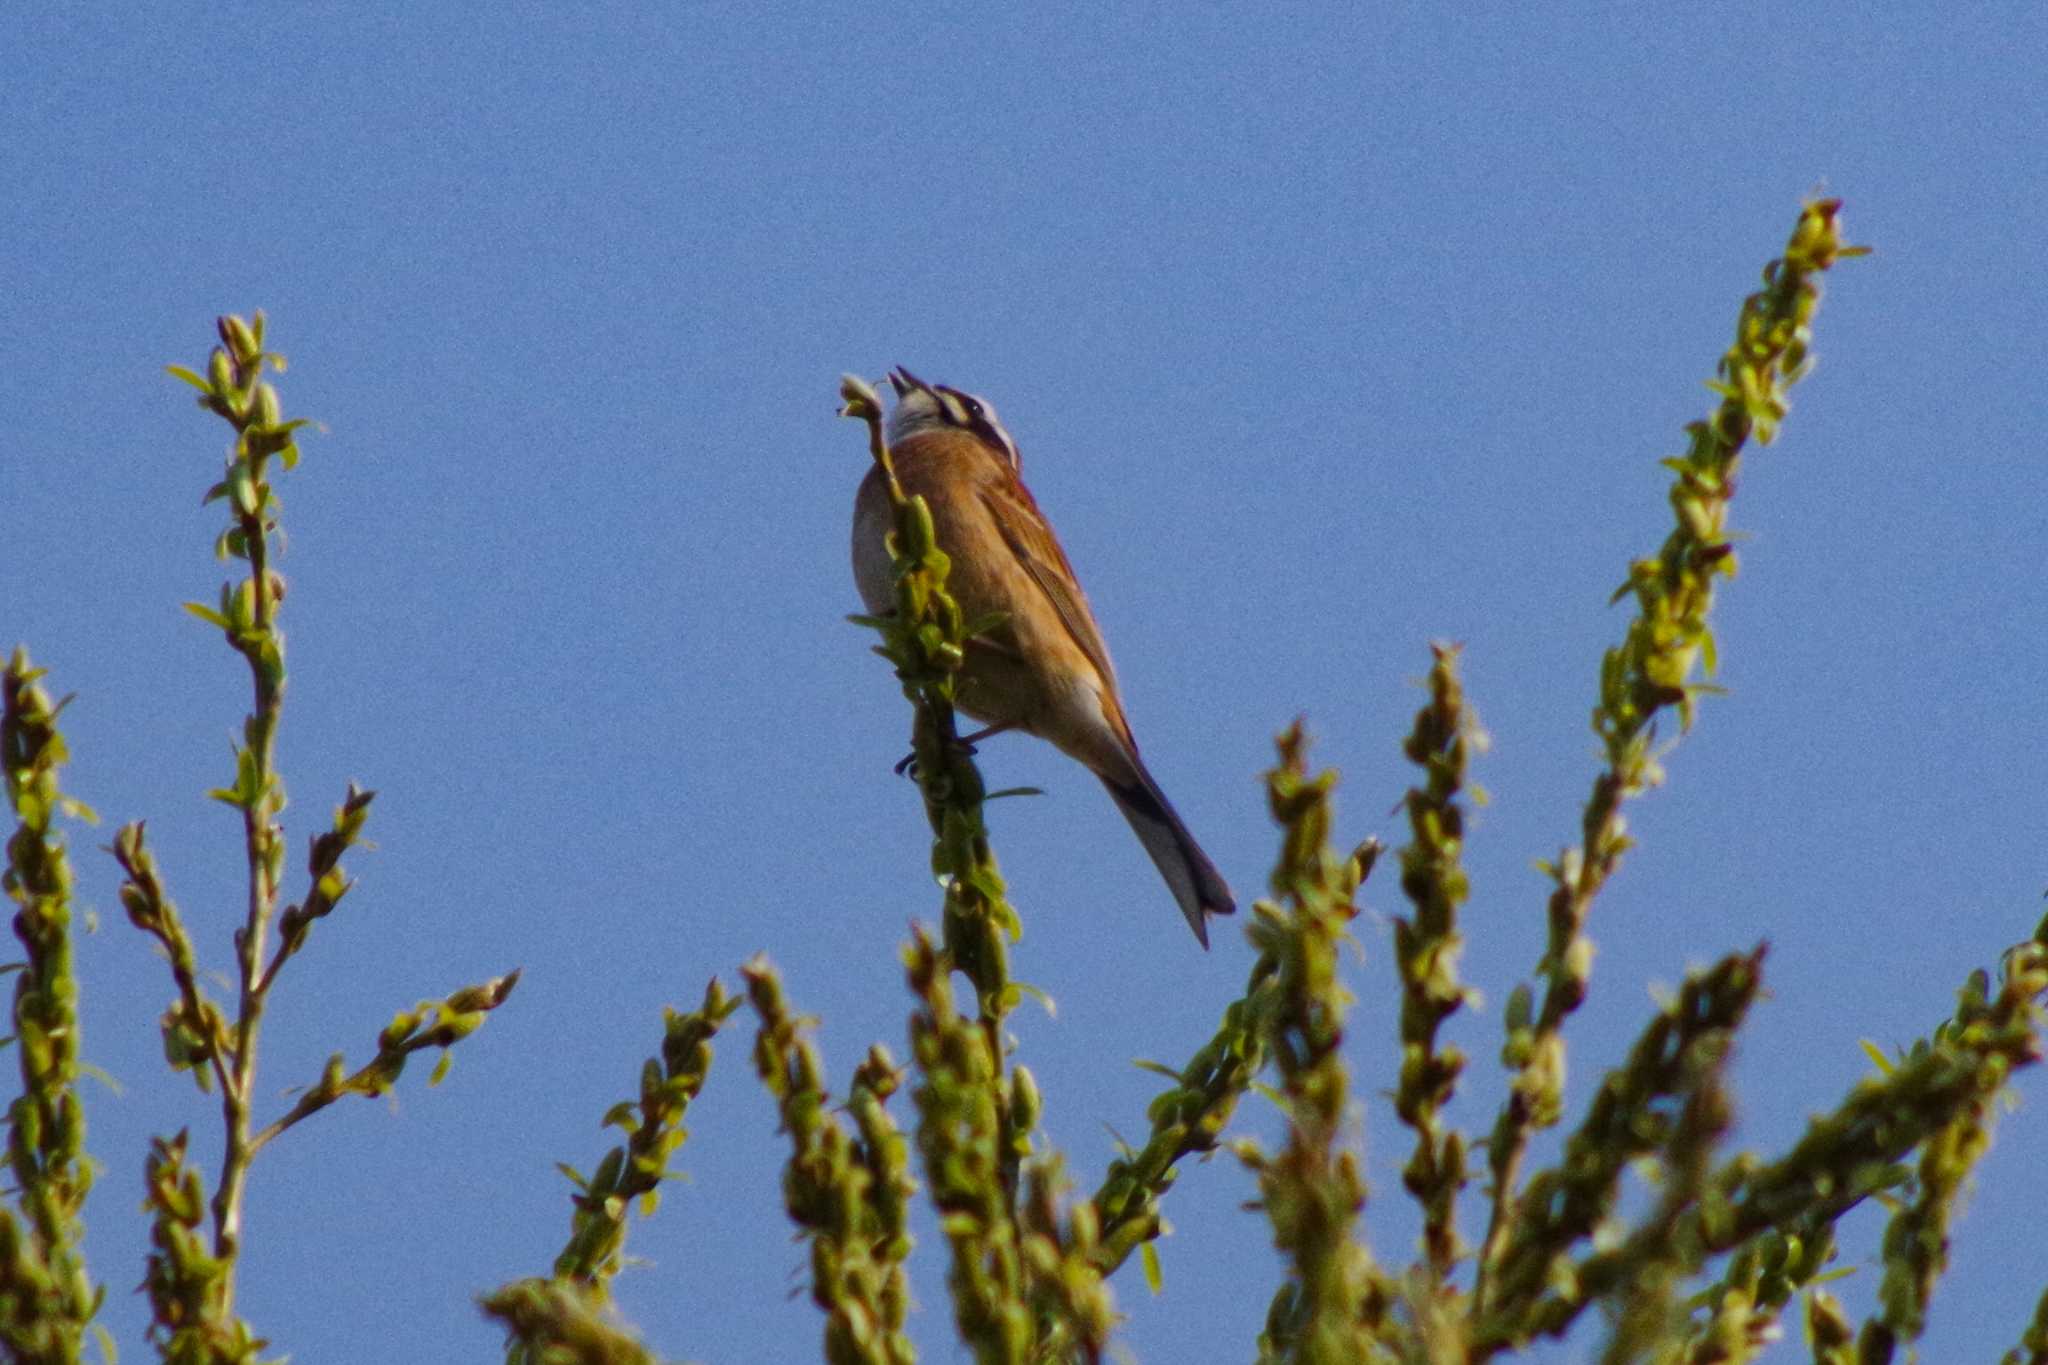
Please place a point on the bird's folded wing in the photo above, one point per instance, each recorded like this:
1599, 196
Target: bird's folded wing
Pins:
1025, 531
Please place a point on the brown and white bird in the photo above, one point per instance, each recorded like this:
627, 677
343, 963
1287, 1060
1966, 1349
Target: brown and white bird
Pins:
1044, 669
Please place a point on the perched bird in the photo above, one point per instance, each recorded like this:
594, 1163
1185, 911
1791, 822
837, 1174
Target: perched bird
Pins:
1044, 669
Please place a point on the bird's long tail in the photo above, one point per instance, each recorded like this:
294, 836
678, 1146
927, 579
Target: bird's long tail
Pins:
1193, 879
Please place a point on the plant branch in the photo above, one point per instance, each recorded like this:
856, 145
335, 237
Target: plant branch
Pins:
1442, 744
848, 1196
430, 1024
47, 1300
195, 1032
563, 1322
926, 637
328, 882
1335, 1303
2033, 1347
234, 389
1651, 672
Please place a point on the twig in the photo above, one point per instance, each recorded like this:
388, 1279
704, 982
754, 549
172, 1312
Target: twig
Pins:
1652, 671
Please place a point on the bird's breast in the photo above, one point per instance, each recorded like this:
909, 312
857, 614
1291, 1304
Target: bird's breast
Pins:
874, 570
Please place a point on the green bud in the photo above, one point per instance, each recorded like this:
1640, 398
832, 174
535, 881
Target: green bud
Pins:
859, 397
1087, 1230
922, 536
239, 339
1024, 1099
242, 488
398, 1030
456, 1027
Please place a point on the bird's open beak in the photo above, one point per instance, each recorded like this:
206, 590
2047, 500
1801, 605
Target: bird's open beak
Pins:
905, 382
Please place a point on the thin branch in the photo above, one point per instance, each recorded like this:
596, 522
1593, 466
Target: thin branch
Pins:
1651, 672
430, 1024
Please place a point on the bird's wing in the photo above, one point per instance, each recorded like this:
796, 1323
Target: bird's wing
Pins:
1025, 530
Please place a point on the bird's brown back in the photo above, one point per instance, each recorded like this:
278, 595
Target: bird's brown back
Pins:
1005, 559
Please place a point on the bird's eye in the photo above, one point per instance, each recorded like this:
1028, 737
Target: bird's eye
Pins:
973, 405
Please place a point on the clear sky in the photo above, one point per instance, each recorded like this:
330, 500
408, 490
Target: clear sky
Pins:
1324, 330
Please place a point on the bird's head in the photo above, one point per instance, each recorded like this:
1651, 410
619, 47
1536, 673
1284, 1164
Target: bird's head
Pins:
922, 407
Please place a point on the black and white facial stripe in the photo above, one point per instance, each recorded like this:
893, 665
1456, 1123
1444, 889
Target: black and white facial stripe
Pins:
920, 405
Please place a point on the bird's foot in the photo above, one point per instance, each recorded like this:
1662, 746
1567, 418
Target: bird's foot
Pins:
907, 766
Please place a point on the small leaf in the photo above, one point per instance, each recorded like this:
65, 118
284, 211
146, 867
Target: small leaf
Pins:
1877, 1057
1148, 1255
441, 1067
207, 614
982, 625
180, 372
242, 488
1045, 1001
113, 1086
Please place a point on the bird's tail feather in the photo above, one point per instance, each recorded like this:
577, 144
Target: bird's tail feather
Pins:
1193, 879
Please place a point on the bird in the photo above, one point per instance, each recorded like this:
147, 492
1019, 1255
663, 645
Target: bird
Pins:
1043, 668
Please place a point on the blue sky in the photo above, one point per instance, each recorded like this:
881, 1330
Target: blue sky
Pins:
1324, 332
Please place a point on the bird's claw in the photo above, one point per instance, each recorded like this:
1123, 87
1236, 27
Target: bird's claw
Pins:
907, 765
